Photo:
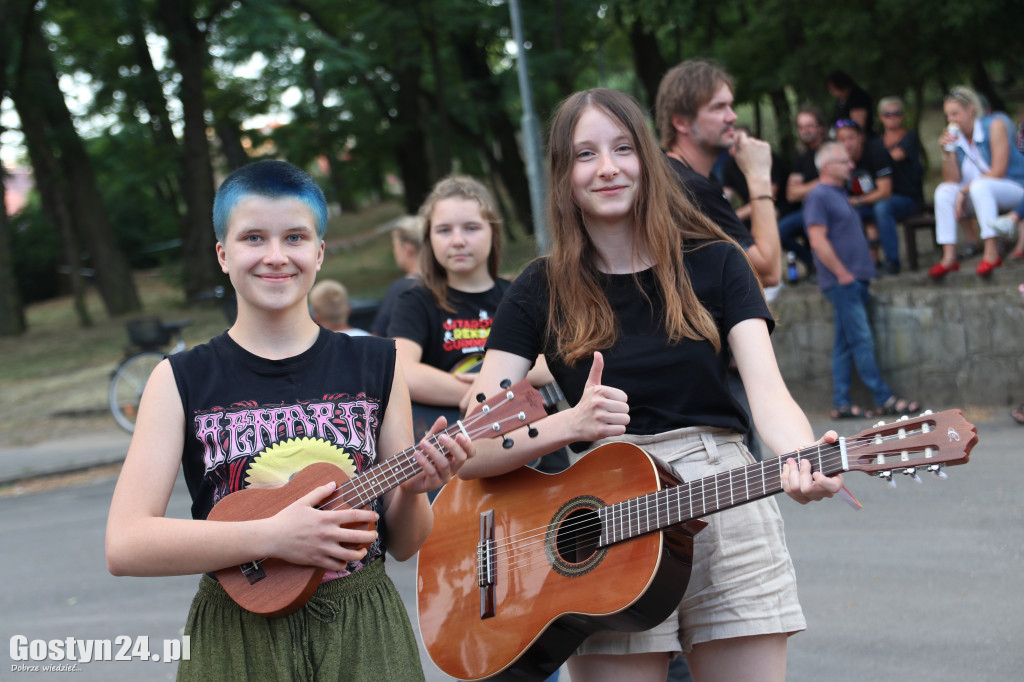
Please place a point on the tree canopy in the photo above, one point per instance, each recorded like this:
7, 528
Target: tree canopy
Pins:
129, 110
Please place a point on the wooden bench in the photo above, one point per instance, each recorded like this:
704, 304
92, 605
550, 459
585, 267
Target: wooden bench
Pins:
925, 220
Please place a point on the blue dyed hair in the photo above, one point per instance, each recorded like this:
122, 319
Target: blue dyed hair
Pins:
271, 179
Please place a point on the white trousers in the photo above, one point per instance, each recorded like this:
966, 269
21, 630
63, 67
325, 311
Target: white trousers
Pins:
988, 198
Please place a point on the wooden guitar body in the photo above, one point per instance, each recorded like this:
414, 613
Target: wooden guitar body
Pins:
553, 584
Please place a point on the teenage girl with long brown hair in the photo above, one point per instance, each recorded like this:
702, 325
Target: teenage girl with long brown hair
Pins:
635, 310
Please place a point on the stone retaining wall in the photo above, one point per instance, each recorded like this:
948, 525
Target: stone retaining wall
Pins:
949, 344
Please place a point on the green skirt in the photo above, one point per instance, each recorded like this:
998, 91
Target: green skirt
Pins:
352, 628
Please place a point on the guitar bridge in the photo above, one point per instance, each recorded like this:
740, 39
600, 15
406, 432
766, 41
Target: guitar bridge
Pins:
485, 569
253, 572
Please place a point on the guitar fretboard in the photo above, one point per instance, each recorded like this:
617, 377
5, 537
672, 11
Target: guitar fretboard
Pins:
678, 504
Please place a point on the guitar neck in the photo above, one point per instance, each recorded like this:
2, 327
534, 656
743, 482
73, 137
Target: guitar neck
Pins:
678, 504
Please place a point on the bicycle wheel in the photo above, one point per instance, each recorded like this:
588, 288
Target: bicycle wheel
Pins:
126, 386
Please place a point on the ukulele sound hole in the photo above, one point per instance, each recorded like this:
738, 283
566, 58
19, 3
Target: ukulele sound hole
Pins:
572, 543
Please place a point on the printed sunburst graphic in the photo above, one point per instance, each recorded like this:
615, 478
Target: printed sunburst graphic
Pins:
282, 460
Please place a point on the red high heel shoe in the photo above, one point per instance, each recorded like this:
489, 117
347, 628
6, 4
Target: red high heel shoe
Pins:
938, 271
985, 267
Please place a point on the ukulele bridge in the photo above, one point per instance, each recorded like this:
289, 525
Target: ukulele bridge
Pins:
253, 572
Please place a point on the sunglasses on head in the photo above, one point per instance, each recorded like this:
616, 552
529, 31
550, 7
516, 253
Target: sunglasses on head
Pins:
895, 112
847, 123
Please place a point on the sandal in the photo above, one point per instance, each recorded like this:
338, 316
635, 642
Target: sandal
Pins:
1018, 414
849, 412
898, 406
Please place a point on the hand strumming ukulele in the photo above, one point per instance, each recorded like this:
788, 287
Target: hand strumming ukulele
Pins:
522, 567
274, 587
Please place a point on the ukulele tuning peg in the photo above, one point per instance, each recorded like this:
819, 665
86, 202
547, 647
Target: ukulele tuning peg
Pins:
505, 383
480, 397
532, 432
507, 443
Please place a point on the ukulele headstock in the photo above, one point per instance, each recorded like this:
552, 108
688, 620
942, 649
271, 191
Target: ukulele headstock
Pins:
515, 406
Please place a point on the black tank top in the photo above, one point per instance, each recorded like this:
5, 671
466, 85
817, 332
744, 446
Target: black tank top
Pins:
255, 422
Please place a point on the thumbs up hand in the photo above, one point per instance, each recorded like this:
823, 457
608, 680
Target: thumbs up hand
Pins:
602, 410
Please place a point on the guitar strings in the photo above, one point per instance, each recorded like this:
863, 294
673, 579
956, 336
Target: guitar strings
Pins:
699, 489
715, 485
406, 464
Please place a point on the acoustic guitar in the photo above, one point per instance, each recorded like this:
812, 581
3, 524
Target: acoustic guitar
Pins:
522, 567
273, 587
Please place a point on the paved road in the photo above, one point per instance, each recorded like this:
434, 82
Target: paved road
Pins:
922, 584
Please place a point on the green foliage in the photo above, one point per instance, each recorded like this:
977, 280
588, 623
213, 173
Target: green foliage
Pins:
35, 244
361, 92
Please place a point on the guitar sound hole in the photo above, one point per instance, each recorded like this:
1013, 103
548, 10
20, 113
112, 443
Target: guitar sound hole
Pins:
578, 536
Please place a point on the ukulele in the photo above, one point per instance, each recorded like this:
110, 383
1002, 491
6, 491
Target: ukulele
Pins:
523, 567
273, 587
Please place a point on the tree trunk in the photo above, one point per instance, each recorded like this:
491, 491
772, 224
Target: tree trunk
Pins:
506, 159
188, 49
40, 102
12, 313
648, 61
52, 189
410, 142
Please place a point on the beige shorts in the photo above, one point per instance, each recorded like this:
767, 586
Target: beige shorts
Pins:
742, 583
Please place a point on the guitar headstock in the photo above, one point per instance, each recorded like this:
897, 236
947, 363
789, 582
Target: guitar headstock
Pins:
514, 407
930, 440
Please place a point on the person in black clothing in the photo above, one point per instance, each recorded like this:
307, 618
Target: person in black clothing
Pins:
636, 310
696, 123
872, 192
811, 127
251, 408
852, 101
406, 242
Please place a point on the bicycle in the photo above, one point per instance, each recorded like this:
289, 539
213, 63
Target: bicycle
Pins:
147, 336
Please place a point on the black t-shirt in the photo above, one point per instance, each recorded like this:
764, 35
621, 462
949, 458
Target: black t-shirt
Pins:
733, 178
858, 99
447, 339
709, 198
387, 304
908, 174
668, 386
253, 422
874, 163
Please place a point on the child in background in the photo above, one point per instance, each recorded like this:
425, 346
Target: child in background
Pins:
441, 326
251, 407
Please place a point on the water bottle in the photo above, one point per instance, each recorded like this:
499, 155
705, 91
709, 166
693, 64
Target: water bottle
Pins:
791, 272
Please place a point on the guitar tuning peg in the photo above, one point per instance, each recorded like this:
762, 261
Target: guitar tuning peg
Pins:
507, 442
926, 413
505, 383
881, 423
904, 418
937, 470
480, 397
887, 477
912, 472
532, 432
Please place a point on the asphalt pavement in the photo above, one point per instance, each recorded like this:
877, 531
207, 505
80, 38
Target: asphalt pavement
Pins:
920, 584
